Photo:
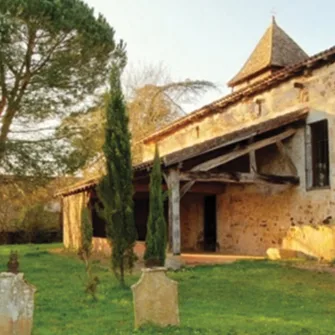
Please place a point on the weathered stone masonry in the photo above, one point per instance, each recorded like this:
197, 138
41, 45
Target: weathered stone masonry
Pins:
253, 218
277, 82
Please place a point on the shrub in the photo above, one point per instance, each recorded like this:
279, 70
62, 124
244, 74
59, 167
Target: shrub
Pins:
13, 262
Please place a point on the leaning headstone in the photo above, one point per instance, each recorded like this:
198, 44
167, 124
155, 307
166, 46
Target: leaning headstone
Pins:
16, 304
155, 299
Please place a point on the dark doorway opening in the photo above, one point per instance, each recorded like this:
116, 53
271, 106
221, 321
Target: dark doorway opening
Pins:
210, 223
99, 224
141, 212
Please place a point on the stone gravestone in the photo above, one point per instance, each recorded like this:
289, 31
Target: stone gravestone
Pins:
155, 298
16, 304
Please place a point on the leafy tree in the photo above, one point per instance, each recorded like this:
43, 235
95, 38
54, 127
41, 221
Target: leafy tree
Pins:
153, 100
116, 190
23, 203
156, 238
34, 219
54, 56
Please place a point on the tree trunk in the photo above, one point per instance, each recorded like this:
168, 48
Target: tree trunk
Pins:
6, 123
3, 104
122, 282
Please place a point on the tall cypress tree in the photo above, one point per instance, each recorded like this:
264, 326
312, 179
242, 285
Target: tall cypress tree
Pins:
116, 189
156, 238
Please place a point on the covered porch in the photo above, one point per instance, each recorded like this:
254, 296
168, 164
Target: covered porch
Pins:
199, 180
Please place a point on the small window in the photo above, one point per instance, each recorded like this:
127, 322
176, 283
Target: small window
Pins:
317, 154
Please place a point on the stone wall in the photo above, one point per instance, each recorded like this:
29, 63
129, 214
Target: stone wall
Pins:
72, 208
255, 218
317, 241
192, 222
318, 94
251, 219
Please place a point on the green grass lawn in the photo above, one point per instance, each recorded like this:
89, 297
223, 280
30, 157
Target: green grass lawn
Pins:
253, 298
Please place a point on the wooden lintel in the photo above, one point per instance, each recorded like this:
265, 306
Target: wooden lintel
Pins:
238, 177
203, 188
207, 188
287, 158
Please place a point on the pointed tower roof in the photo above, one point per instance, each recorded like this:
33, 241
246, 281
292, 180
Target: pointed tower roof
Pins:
275, 50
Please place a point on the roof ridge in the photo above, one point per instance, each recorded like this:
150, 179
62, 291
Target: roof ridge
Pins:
271, 41
275, 49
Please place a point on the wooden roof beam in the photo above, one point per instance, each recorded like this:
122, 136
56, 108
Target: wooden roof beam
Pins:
238, 152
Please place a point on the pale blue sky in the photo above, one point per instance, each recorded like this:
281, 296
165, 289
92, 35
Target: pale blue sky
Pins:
211, 39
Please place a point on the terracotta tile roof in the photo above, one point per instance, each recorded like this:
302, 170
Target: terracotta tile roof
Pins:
318, 60
275, 50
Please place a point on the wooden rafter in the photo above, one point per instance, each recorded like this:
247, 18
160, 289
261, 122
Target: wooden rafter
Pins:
186, 188
238, 152
238, 177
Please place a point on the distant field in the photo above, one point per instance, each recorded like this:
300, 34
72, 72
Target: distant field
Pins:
244, 298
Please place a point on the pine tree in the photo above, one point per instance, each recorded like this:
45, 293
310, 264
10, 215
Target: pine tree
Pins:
116, 189
156, 238
54, 54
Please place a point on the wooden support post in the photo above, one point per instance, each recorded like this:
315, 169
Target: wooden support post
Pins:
174, 211
252, 158
253, 164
